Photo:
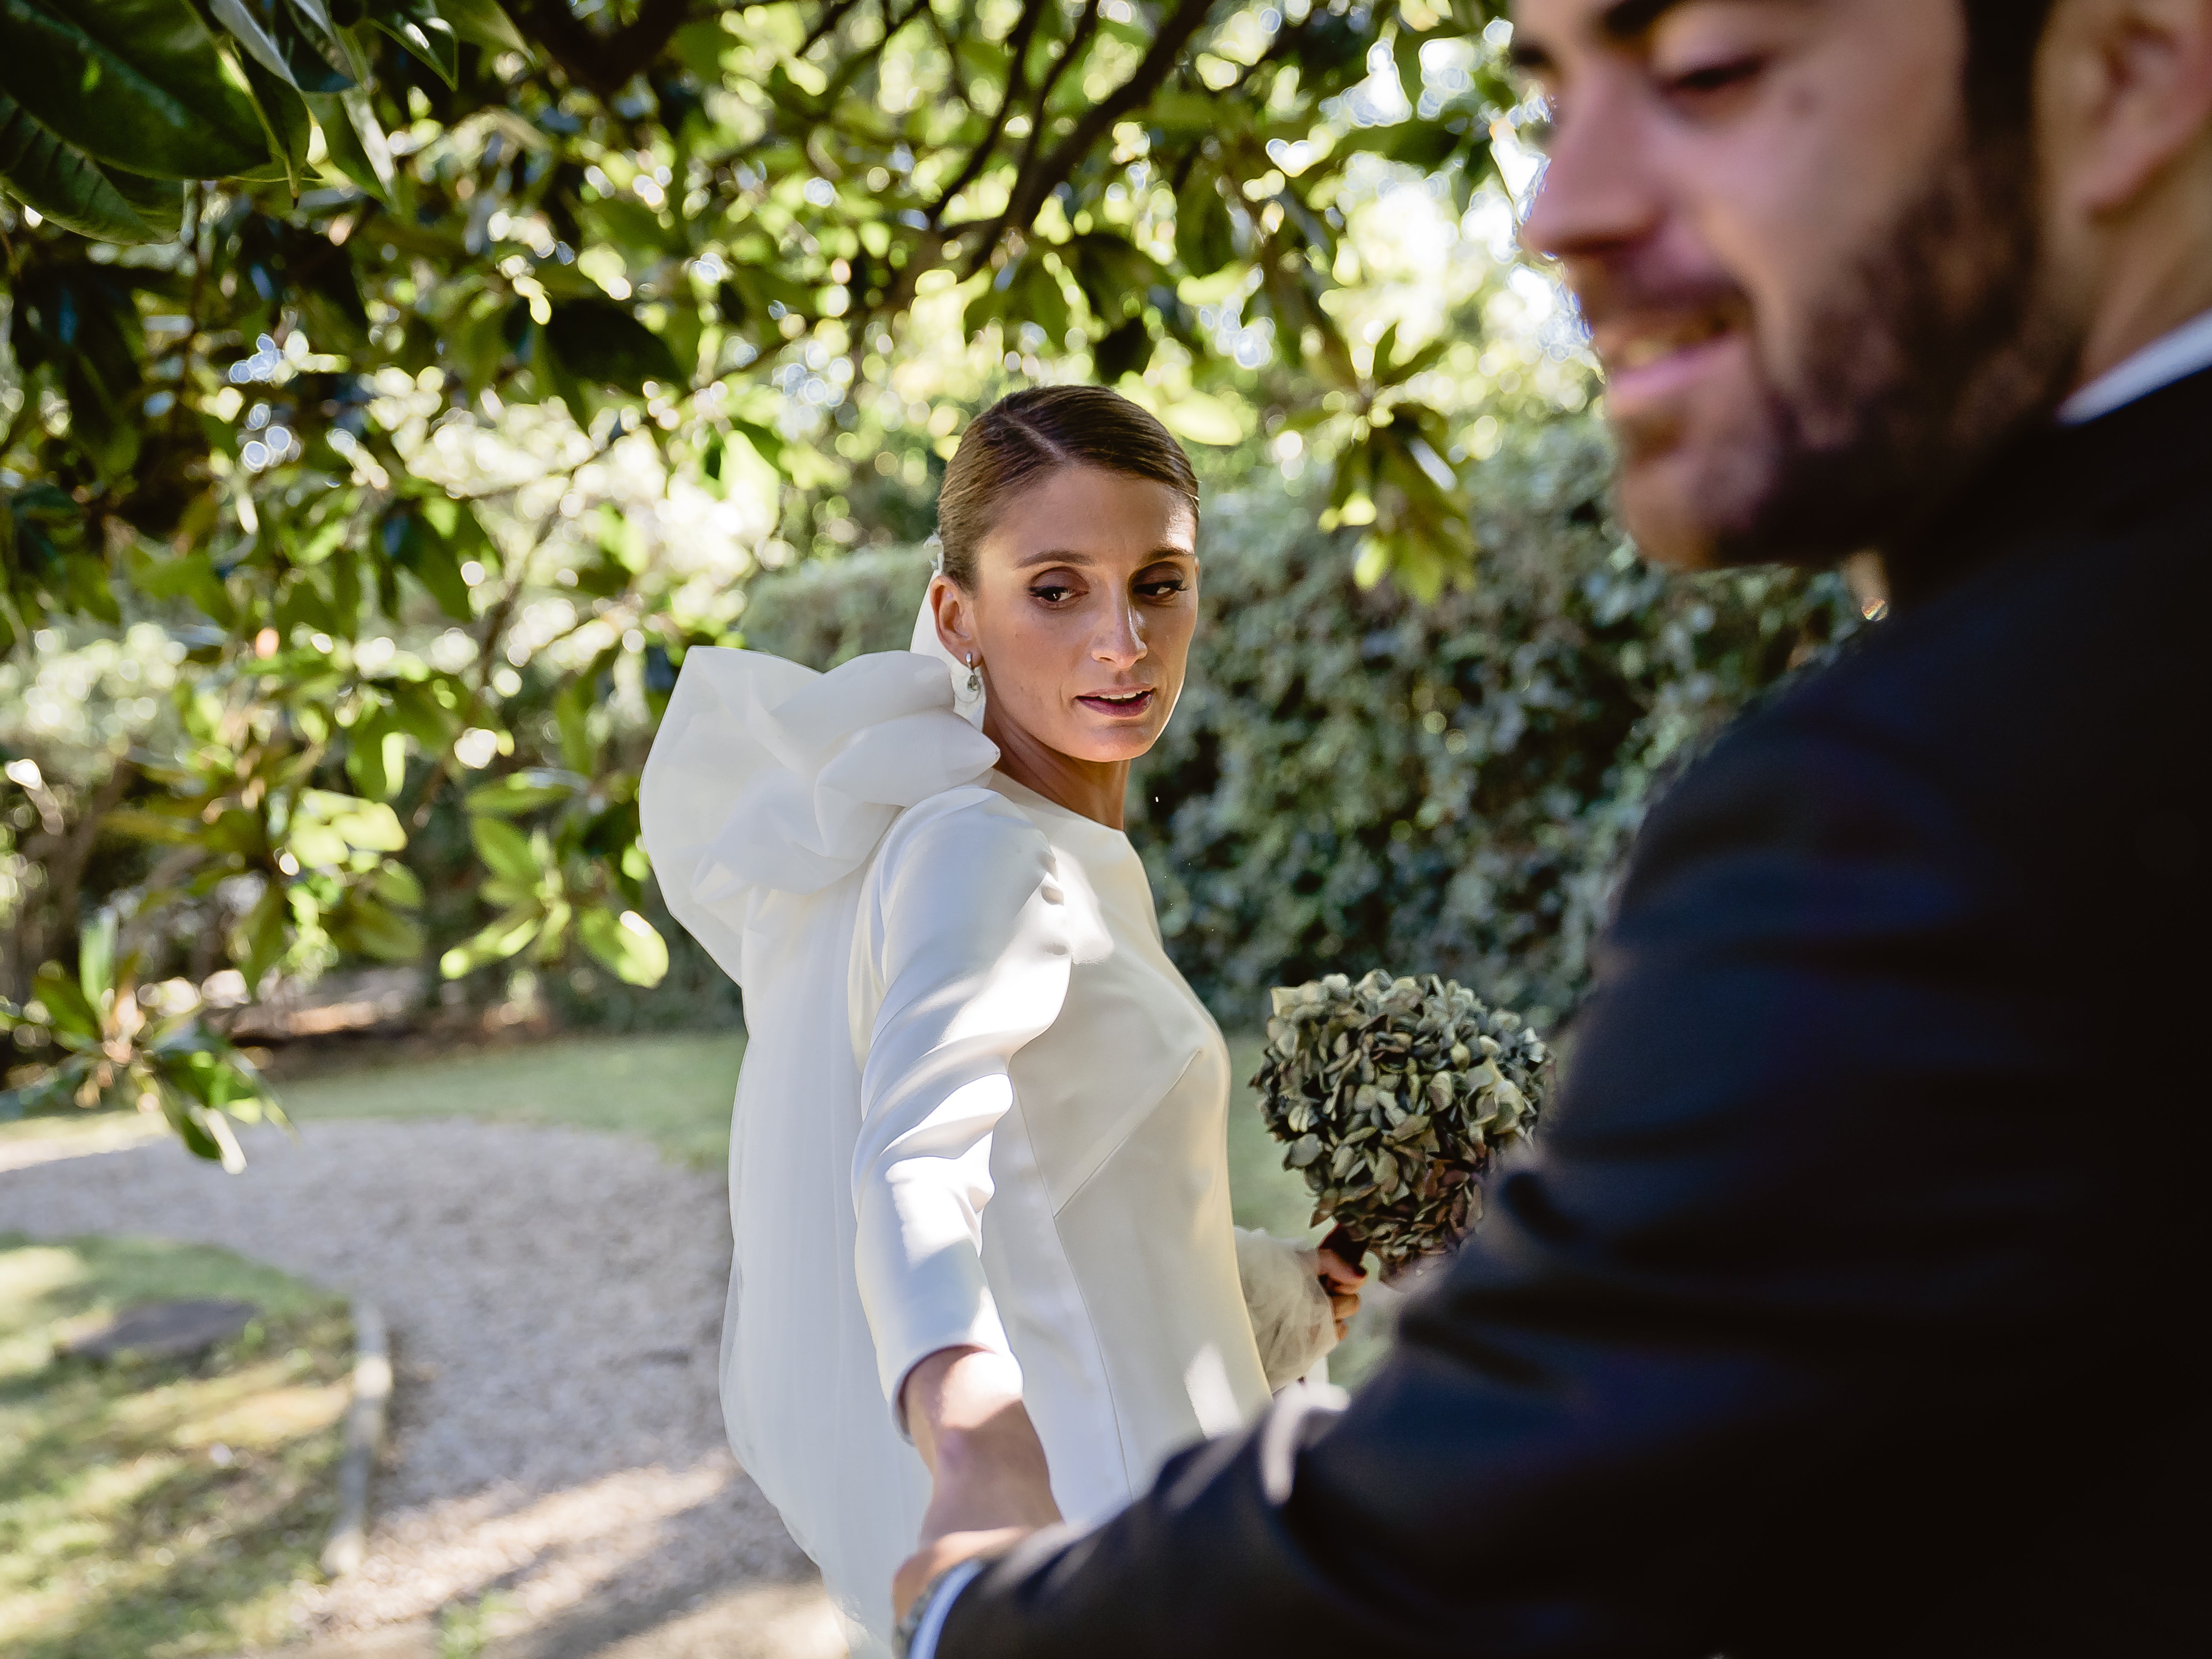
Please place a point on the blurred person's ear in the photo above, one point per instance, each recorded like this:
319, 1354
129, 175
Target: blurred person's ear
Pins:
2123, 126
2124, 92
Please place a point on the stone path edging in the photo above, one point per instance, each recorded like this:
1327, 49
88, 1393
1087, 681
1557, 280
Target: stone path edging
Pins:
371, 1393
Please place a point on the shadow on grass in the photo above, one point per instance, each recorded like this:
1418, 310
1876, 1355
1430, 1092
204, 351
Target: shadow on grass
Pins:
158, 1509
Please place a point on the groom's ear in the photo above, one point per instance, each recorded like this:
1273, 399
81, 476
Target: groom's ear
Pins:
2125, 87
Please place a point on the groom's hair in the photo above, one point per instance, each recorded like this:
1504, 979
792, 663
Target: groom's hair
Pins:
1026, 437
2002, 39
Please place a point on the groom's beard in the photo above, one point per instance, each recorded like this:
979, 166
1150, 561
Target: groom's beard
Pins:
1938, 348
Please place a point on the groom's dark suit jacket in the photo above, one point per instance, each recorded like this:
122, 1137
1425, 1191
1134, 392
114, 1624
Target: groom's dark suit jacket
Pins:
1854, 1301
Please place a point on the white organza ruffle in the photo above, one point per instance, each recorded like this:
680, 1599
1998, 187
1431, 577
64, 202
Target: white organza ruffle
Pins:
767, 777
767, 794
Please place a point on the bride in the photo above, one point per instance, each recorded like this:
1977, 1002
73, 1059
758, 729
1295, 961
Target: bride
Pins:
985, 1273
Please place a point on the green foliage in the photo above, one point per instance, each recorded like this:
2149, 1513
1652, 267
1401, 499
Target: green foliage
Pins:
830, 610
1354, 779
434, 374
114, 1050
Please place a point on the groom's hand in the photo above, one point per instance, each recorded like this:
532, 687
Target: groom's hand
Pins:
937, 1556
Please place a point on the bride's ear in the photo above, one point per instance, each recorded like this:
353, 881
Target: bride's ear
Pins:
955, 614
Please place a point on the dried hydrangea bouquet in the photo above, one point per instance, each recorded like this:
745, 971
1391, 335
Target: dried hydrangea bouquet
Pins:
1392, 1096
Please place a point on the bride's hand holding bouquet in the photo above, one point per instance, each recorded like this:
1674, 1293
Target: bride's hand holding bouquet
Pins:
1392, 1096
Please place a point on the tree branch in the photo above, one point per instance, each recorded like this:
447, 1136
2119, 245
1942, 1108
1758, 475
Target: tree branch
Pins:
832, 15
952, 54
1075, 43
1038, 180
1017, 49
601, 63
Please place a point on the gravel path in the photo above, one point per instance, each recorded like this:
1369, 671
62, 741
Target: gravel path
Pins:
555, 1300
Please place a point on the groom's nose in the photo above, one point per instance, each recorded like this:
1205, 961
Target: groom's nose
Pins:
1600, 199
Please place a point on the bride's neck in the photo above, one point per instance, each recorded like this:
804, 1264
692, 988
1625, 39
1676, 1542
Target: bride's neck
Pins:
1097, 790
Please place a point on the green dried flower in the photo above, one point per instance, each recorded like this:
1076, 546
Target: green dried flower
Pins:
1391, 1098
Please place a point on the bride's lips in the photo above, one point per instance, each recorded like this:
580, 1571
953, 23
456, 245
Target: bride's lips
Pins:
1120, 705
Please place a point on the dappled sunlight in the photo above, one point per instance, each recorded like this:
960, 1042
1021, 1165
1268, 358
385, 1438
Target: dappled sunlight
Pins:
546, 1552
156, 1505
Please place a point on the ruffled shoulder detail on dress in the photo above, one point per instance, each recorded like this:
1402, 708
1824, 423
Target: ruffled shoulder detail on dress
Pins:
767, 777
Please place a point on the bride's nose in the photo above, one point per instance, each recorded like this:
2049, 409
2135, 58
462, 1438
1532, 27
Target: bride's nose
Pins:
1120, 639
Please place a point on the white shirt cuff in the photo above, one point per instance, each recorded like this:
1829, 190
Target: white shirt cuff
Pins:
934, 1616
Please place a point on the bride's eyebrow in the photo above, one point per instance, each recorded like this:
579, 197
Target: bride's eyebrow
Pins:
1084, 560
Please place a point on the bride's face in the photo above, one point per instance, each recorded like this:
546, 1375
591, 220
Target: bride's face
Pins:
1085, 602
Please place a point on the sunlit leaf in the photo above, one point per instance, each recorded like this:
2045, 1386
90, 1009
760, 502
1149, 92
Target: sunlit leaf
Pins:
505, 849
626, 944
526, 790
502, 939
417, 26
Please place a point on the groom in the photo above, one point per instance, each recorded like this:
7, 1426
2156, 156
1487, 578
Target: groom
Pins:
1852, 1305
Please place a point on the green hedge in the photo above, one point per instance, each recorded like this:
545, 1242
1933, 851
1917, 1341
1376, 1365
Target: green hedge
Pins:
1354, 779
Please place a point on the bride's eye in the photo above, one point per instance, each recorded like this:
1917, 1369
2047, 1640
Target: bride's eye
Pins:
1051, 592
1163, 587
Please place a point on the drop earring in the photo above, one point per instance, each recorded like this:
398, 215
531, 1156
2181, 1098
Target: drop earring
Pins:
975, 678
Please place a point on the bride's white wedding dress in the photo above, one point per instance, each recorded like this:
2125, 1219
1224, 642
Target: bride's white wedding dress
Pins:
978, 1105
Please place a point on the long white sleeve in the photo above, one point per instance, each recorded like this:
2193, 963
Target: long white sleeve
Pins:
967, 942
1293, 1321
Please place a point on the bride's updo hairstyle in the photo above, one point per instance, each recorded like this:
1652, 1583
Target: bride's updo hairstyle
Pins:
1027, 436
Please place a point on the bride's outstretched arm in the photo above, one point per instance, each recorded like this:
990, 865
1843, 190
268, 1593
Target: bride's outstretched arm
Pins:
973, 962
964, 1408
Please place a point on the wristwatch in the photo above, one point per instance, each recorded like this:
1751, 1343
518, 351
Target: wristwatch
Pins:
917, 1633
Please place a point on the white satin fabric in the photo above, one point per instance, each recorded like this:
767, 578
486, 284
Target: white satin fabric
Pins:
978, 1105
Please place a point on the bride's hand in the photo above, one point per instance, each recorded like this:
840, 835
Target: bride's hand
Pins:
964, 1408
1342, 1281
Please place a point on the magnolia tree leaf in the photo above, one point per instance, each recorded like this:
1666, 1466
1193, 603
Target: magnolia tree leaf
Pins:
484, 23
285, 122
376, 759
271, 31
417, 26
626, 944
68, 1009
140, 84
526, 790
354, 141
95, 955
159, 203
508, 936
65, 184
1202, 419
261, 938
600, 341
505, 850
411, 542
361, 923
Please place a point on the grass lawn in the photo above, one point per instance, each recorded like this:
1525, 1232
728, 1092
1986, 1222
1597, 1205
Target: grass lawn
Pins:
158, 1509
673, 1089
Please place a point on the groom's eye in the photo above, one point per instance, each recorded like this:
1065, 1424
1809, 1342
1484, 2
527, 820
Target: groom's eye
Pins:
1698, 88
